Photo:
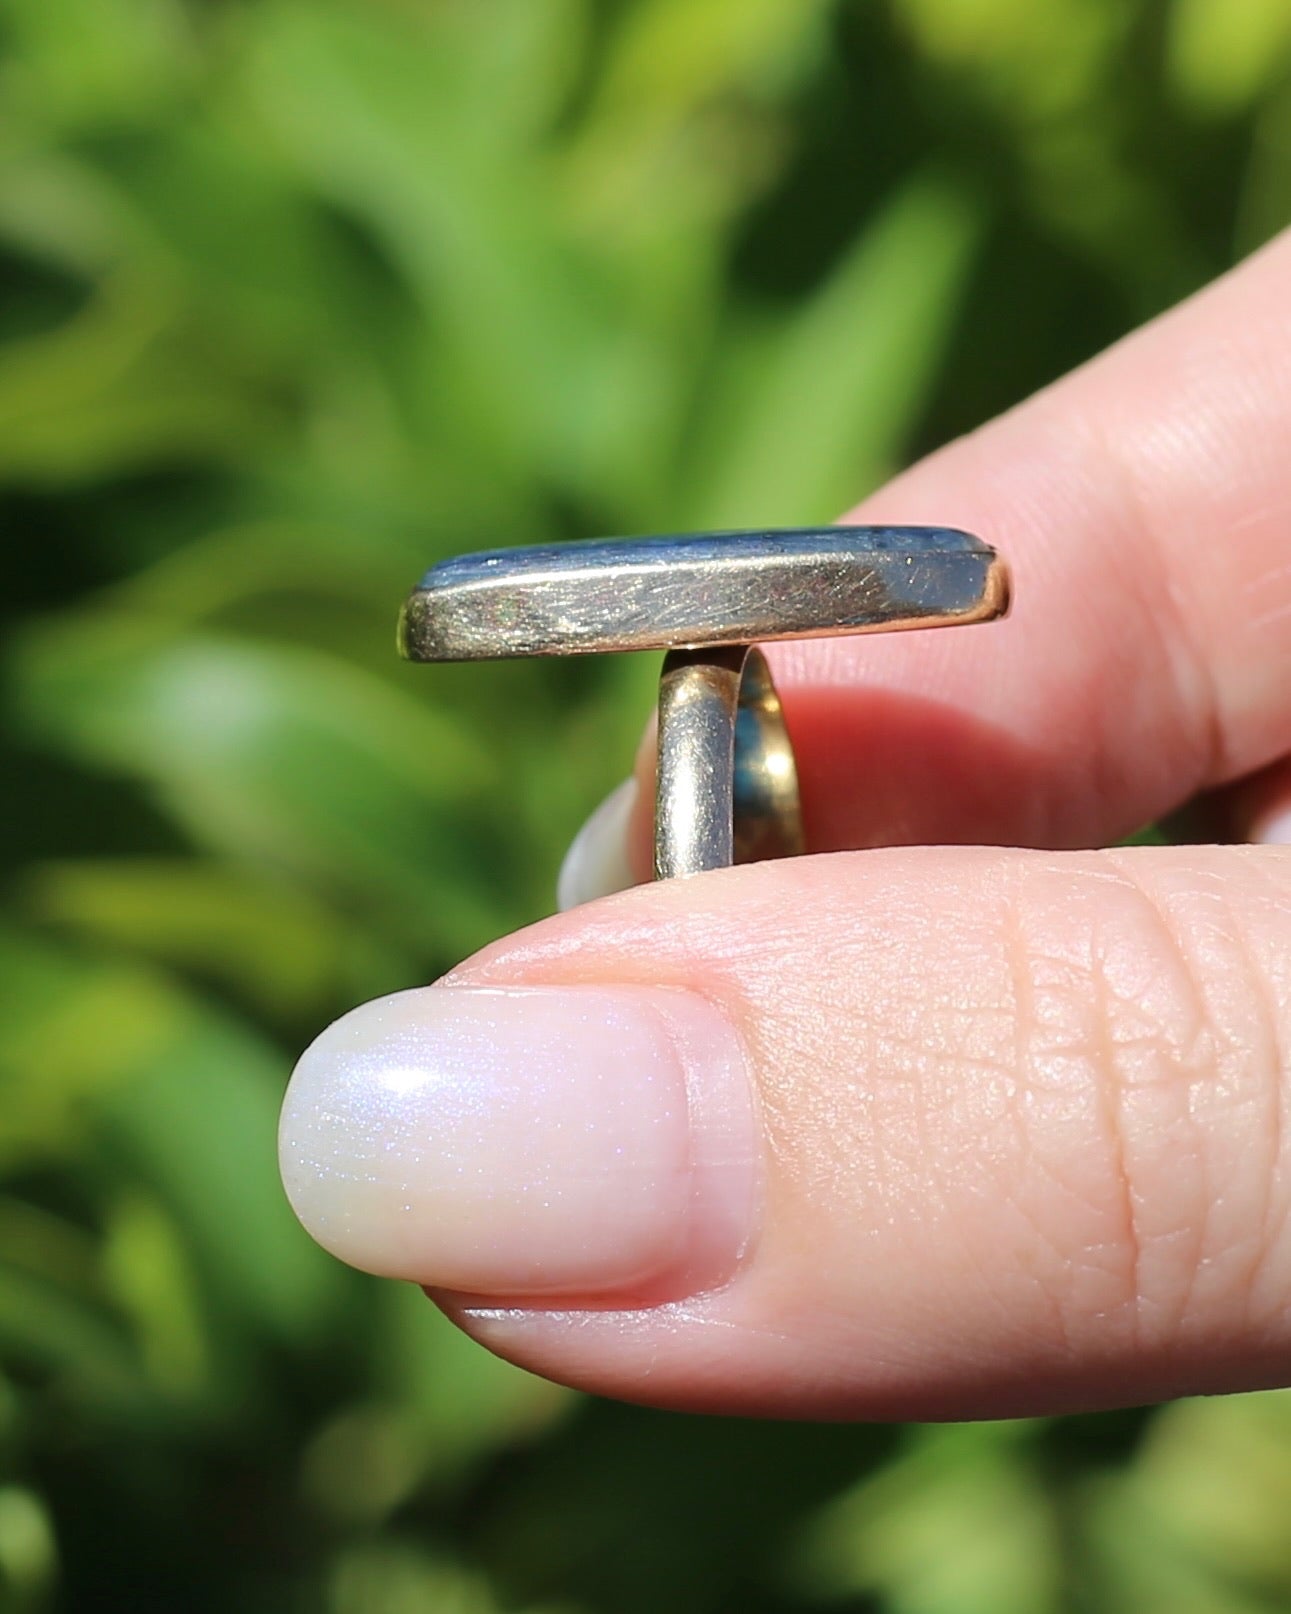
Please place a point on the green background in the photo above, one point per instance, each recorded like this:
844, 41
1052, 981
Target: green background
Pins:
299, 296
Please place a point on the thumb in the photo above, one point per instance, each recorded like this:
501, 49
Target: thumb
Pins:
918, 1133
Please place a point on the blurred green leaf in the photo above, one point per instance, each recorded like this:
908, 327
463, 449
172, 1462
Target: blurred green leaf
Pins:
458, 1401
62, 1339
1224, 52
117, 387
276, 754
28, 1550
1233, 1531
59, 210
112, 1047
266, 940
817, 411
146, 1269
669, 56
71, 1036
198, 1124
86, 62
405, 1579
960, 1525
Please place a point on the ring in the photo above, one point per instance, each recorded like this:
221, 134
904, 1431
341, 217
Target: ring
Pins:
727, 785
727, 782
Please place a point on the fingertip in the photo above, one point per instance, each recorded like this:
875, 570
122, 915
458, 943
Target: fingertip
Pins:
528, 1141
597, 862
1275, 830
1259, 809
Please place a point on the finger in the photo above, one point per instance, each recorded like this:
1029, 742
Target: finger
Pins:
598, 860
912, 1133
1260, 809
1144, 506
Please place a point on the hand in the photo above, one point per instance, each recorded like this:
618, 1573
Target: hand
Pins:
938, 1131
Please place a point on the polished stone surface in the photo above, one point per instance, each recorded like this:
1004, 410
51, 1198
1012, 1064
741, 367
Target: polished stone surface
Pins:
699, 589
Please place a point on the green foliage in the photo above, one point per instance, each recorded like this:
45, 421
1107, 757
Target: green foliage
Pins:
300, 295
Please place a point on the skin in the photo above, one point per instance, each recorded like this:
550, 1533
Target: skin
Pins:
1024, 1113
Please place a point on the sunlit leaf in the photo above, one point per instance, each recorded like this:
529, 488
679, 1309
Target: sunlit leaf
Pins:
146, 1271
28, 1549
675, 53
198, 1124
459, 1402
960, 1527
73, 1033
83, 61
116, 1053
1224, 52
117, 387
265, 939
72, 1347
817, 410
281, 755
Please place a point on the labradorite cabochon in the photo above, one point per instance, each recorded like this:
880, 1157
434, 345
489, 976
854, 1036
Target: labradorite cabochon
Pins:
697, 589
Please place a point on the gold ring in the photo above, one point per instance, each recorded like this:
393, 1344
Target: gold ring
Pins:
727, 781
727, 784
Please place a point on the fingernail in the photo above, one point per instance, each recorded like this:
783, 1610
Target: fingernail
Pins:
597, 860
1274, 829
527, 1141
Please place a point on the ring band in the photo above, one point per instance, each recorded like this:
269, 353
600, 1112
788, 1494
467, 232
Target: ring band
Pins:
727, 784
727, 780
